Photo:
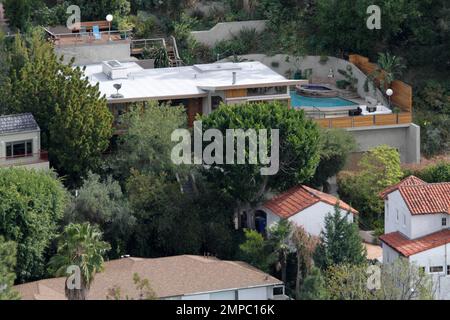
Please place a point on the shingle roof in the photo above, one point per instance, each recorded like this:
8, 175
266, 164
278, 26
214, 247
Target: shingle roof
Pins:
409, 181
299, 198
169, 276
17, 123
408, 247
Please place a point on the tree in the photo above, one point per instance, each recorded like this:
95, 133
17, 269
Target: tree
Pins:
165, 222
379, 169
80, 245
313, 287
390, 68
400, 280
336, 146
255, 250
94, 11
340, 242
279, 238
74, 119
298, 152
305, 245
103, 203
146, 146
18, 13
8, 251
348, 281
32, 203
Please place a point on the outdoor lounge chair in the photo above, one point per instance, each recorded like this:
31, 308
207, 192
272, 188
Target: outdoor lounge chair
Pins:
96, 32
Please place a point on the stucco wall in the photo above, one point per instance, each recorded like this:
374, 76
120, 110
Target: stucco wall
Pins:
33, 135
226, 30
395, 204
405, 138
312, 219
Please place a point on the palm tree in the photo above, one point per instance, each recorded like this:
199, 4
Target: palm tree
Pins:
390, 68
80, 245
280, 240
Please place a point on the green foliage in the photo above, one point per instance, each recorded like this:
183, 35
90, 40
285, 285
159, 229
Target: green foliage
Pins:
255, 251
103, 203
18, 12
32, 203
432, 113
146, 146
298, 150
392, 66
400, 280
349, 78
80, 245
74, 119
379, 169
166, 224
97, 10
336, 145
8, 252
342, 84
159, 54
439, 172
314, 287
340, 242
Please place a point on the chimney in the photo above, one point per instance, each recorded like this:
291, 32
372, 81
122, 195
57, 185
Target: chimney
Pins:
234, 77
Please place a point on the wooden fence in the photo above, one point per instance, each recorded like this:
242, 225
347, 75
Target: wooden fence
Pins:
402, 96
366, 121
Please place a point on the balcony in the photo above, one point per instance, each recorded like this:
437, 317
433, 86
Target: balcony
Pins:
366, 121
88, 38
31, 161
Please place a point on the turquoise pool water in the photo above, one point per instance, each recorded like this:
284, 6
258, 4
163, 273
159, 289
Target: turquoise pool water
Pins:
301, 101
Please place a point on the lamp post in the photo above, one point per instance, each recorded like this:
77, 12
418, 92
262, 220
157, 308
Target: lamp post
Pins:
109, 18
389, 93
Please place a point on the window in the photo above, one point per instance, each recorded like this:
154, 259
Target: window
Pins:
266, 91
436, 269
278, 291
19, 149
397, 213
444, 222
448, 270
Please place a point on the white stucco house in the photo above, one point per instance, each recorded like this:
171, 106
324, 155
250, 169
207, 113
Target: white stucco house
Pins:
302, 205
20, 142
417, 228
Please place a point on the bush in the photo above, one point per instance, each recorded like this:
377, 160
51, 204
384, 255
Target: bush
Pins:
342, 84
432, 174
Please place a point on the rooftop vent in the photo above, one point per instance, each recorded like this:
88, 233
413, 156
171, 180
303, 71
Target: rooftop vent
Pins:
113, 69
117, 95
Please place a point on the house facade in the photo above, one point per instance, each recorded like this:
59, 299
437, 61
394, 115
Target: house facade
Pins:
20, 142
303, 206
183, 277
417, 228
199, 88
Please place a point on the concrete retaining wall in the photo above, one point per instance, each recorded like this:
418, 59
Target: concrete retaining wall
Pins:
87, 54
405, 138
226, 30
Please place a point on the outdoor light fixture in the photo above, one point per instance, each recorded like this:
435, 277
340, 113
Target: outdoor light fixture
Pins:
109, 18
389, 93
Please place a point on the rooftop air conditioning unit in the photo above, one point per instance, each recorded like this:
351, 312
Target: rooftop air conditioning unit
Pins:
113, 69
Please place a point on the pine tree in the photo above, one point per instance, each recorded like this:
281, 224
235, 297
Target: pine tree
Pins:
339, 242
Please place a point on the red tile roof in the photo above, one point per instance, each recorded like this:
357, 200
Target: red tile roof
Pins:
428, 198
409, 181
299, 198
408, 247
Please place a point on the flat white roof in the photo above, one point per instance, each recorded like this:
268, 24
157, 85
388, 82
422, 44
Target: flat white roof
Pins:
183, 82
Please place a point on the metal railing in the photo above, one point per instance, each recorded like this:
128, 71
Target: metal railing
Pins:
31, 158
88, 37
141, 44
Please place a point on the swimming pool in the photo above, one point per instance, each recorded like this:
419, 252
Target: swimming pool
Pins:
298, 101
